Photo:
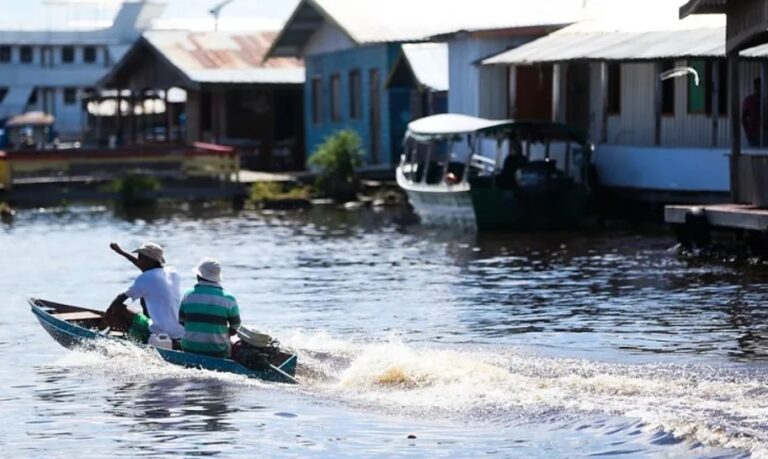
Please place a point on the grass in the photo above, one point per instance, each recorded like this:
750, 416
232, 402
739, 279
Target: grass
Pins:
269, 191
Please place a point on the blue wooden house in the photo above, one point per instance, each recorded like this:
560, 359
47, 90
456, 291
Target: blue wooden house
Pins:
350, 53
353, 53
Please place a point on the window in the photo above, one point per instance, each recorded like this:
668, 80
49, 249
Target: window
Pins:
355, 89
68, 54
5, 54
89, 54
25, 54
336, 98
668, 90
317, 100
700, 96
614, 88
70, 96
3, 93
32, 98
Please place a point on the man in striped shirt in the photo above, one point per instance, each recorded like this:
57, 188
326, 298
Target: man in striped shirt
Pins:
209, 314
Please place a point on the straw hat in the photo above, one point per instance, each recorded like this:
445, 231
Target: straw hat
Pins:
152, 251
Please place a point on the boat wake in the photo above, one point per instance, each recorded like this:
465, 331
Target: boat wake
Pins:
725, 408
720, 408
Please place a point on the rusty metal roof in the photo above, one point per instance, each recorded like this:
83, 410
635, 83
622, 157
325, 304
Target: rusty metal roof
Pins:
225, 57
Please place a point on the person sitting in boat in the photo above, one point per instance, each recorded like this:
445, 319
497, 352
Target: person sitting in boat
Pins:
209, 313
159, 287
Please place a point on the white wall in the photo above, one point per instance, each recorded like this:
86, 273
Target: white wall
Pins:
659, 168
475, 89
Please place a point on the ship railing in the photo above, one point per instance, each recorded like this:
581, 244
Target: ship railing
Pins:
486, 165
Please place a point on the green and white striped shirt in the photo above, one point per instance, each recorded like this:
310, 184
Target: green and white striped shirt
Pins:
208, 313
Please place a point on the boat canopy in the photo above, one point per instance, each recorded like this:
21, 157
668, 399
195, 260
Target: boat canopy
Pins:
449, 125
30, 119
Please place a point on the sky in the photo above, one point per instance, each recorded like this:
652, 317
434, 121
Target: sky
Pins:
55, 14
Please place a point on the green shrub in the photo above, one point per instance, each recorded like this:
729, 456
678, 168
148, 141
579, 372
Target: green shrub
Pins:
338, 158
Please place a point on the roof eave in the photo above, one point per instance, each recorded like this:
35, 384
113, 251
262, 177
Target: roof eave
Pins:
701, 7
296, 51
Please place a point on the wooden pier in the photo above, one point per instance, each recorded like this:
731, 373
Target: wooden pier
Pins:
733, 216
197, 171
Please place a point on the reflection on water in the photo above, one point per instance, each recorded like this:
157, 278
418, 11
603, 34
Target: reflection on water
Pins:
534, 345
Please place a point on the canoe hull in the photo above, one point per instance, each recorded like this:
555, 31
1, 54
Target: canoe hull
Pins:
71, 336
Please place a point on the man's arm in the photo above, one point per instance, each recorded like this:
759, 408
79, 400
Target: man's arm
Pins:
130, 257
234, 320
119, 299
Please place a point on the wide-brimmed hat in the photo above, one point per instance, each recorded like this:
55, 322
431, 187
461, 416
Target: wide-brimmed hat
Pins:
209, 269
152, 251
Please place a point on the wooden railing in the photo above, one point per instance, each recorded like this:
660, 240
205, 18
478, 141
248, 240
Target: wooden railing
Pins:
197, 160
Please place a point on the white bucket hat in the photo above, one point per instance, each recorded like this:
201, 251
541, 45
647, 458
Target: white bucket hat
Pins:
209, 269
152, 251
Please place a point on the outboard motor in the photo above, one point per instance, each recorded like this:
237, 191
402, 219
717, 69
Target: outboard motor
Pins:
254, 350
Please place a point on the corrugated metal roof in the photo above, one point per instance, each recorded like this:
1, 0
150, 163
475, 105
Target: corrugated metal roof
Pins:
635, 35
376, 21
429, 63
225, 57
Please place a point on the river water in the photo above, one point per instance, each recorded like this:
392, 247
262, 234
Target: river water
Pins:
412, 342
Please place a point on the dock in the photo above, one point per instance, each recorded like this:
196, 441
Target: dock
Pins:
733, 216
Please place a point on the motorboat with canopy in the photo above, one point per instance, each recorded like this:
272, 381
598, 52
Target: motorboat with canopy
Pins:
495, 174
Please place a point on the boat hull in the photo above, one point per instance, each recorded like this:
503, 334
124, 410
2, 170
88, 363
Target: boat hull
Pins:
441, 208
73, 336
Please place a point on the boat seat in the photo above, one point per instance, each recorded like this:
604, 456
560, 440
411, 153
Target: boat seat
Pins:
79, 315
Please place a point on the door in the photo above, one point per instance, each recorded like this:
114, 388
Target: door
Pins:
533, 93
375, 116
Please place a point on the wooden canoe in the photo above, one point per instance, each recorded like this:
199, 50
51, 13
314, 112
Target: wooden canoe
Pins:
73, 326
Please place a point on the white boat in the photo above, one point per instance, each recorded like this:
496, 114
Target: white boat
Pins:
535, 178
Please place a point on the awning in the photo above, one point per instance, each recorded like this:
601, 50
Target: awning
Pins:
613, 39
450, 124
30, 119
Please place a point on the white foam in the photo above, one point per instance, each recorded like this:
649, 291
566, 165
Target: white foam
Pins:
723, 408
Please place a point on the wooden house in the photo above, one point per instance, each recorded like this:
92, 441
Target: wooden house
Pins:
227, 94
350, 48
651, 89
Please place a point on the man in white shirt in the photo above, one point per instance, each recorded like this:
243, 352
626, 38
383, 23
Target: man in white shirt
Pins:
158, 286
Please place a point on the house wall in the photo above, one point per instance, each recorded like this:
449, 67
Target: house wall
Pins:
479, 90
327, 39
692, 151
364, 59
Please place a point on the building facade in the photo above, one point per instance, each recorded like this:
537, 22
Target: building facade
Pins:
52, 71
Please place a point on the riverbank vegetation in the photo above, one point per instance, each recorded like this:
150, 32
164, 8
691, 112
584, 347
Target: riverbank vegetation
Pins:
135, 189
337, 160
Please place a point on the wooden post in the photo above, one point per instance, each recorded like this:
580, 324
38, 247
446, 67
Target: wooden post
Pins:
557, 70
735, 95
134, 119
168, 118
763, 104
716, 88
657, 96
119, 120
604, 87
